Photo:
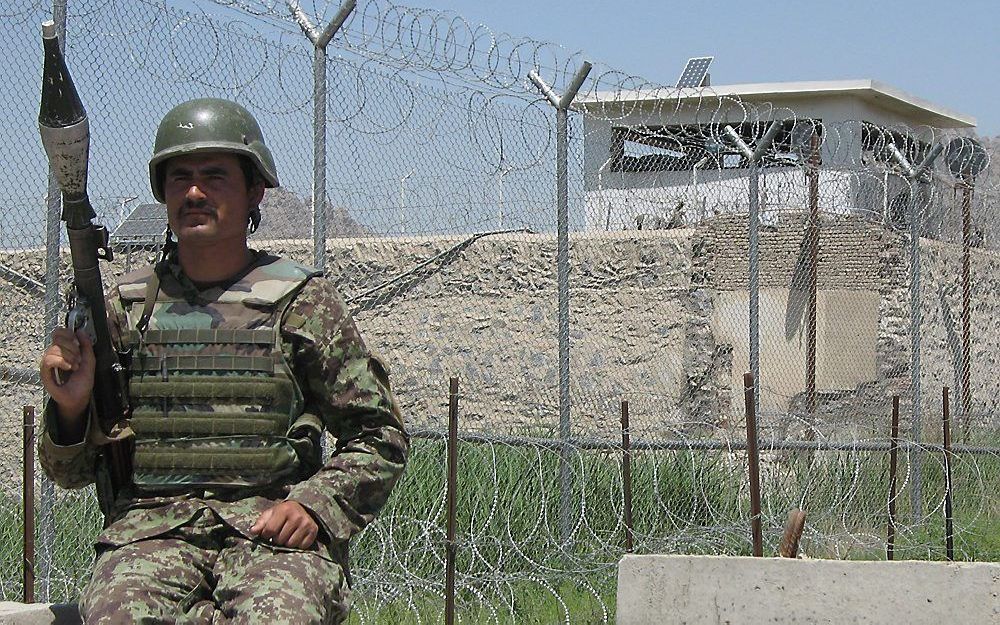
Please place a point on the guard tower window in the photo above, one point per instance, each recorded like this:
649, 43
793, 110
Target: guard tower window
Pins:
685, 147
652, 148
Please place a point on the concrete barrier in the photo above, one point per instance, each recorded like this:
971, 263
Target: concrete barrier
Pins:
695, 590
13, 613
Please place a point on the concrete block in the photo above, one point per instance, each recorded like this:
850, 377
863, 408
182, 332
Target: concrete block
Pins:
14, 613
847, 336
694, 590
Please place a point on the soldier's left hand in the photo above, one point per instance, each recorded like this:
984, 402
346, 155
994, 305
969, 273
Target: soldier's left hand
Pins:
287, 524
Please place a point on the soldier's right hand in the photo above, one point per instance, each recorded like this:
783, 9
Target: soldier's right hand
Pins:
72, 355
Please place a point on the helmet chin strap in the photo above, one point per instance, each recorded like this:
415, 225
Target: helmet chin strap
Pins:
169, 245
153, 286
254, 219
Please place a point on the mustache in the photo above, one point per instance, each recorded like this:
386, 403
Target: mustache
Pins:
199, 207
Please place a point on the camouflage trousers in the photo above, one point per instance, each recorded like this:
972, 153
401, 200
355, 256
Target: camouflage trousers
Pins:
206, 572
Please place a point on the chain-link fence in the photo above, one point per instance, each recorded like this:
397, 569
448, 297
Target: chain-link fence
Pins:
701, 234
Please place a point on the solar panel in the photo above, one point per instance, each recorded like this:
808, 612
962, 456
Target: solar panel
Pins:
695, 72
146, 222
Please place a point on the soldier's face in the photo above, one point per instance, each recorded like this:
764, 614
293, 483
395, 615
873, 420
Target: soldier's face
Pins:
208, 202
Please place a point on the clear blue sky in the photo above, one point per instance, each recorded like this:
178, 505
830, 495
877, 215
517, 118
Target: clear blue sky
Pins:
945, 52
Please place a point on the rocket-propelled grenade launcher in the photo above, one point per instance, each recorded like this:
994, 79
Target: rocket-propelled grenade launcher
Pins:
65, 132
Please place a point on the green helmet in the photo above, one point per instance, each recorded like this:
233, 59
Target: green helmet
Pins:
209, 125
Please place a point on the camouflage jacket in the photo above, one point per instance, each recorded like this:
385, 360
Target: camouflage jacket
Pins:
342, 383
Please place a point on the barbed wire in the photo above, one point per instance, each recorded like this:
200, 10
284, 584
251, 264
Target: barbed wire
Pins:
686, 500
436, 138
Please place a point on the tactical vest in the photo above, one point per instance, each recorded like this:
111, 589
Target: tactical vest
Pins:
213, 400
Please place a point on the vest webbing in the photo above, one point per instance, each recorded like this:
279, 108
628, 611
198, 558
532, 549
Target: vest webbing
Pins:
211, 424
213, 406
253, 390
244, 460
198, 362
204, 336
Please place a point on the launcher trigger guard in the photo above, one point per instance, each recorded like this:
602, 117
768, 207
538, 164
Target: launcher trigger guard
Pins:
78, 317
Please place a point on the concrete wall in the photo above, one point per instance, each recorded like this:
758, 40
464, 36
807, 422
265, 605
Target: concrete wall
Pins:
658, 318
846, 325
488, 315
695, 590
941, 304
849, 286
13, 613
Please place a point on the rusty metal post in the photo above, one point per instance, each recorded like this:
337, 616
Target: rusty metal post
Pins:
812, 236
753, 459
890, 541
627, 478
949, 528
449, 600
28, 504
966, 373
794, 525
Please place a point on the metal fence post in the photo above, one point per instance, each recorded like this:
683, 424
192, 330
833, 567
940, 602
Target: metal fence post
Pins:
754, 281
753, 464
753, 156
562, 104
452, 497
915, 175
319, 39
627, 480
813, 163
890, 541
28, 505
966, 158
916, 320
949, 525
319, 158
53, 233
968, 183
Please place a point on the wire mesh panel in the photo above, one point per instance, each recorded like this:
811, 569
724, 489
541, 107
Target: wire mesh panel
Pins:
708, 236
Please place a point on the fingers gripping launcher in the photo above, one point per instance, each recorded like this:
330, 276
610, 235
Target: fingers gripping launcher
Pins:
77, 318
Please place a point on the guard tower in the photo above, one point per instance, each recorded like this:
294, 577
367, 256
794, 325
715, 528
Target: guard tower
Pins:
663, 153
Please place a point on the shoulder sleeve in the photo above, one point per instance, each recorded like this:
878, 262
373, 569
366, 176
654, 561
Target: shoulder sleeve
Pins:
349, 390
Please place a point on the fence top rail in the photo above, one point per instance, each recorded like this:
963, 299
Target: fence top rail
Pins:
701, 444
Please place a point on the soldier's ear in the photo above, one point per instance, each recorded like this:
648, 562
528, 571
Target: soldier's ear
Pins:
256, 193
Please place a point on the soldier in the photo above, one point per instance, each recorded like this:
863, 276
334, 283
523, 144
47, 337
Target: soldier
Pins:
236, 360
